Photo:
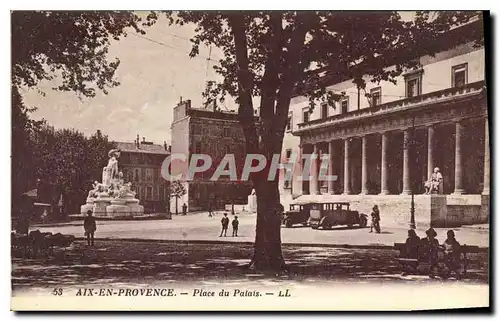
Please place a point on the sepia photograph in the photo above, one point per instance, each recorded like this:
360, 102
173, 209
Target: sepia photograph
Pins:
250, 160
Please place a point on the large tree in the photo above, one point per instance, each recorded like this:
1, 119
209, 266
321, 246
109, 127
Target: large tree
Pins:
274, 55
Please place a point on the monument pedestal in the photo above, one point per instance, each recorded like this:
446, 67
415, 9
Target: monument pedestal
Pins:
89, 206
118, 209
100, 205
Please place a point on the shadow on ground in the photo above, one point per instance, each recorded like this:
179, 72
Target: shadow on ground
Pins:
123, 262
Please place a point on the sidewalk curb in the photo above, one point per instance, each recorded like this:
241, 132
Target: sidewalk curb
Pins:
340, 246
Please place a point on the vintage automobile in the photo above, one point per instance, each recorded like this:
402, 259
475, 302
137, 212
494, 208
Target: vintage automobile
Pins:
298, 214
326, 215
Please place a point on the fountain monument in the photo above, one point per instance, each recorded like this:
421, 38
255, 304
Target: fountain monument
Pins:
112, 197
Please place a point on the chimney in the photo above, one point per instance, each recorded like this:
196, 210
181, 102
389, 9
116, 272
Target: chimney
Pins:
188, 104
165, 144
143, 139
137, 141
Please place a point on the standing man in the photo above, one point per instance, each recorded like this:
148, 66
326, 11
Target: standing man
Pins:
375, 219
209, 208
89, 225
225, 223
235, 223
184, 209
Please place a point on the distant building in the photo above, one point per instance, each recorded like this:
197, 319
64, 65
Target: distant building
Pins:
140, 163
215, 133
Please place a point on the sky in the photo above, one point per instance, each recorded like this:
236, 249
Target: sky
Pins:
153, 77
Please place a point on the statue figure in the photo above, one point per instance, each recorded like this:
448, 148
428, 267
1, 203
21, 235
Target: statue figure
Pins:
110, 172
435, 183
253, 191
120, 178
92, 192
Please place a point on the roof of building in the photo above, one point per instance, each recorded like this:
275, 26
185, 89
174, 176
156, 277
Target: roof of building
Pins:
143, 148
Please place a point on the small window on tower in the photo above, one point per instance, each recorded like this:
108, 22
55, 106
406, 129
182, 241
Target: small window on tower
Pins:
305, 115
459, 75
289, 123
344, 104
376, 96
324, 111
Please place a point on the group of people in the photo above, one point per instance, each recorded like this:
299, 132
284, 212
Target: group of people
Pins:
427, 249
225, 224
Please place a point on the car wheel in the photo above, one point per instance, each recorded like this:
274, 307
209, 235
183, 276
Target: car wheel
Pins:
288, 223
362, 222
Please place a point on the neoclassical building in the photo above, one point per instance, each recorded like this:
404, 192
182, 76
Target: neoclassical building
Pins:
383, 142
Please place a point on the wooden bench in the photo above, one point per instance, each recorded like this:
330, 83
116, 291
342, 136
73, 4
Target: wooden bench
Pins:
468, 256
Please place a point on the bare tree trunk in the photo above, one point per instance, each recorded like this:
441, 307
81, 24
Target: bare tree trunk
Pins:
268, 256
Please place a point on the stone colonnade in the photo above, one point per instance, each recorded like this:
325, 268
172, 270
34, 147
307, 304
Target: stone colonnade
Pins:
384, 157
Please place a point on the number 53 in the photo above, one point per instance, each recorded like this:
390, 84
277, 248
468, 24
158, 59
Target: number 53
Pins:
57, 291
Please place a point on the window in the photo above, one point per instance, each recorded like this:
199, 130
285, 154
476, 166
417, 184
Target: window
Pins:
143, 174
197, 130
459, 75
149, 193
149, 174
289, 123
227, 132
324, 111
197, 148
414, 85
305, 115
161, 193
344, 104
376, 96
288, 154
137, 174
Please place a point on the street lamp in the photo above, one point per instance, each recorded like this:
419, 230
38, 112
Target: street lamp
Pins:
411, 146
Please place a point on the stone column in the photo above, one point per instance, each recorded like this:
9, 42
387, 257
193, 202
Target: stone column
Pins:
364, 165
458, 158
430, 151
330, 167
486, 181
384, 189
406, 162
299, 177
347, 188
314, 187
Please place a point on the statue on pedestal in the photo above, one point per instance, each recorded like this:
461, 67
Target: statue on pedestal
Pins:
110, 172
435, 183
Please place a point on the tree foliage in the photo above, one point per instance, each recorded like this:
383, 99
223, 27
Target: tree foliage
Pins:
69, 46
67, 163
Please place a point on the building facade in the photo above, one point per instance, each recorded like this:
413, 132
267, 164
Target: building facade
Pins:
141, 163
215, 133
383, 142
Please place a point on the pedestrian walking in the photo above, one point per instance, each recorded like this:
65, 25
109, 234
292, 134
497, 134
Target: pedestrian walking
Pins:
225, 223
235, 224
209, 209
184, 209
375, 219
90, 226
